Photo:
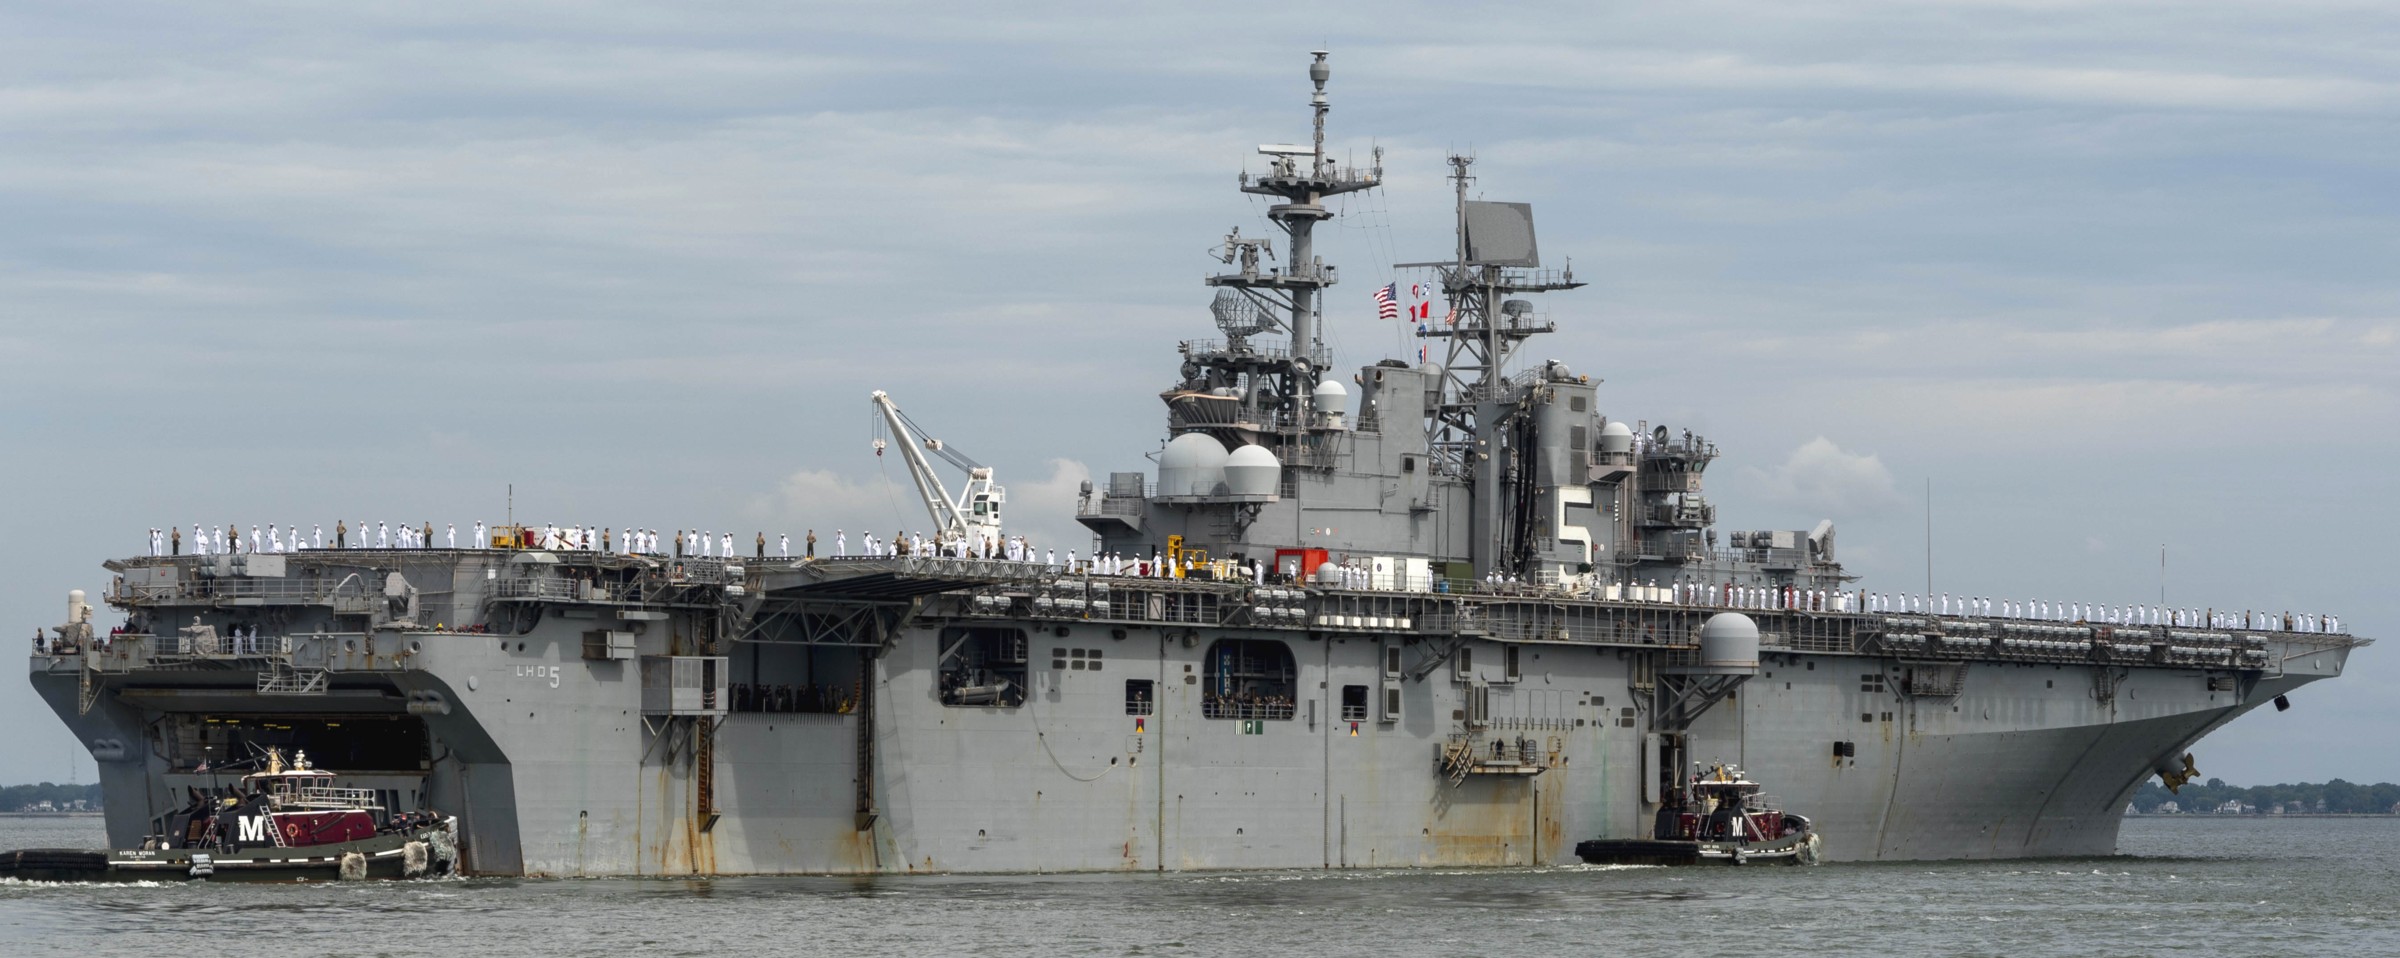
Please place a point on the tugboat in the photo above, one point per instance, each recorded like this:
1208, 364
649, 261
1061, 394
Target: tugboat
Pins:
280, 823
1719, 817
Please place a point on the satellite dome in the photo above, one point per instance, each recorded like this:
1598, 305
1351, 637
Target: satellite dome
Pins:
1331, 402
1616, 437
1193, 464
1729, 643
1253, 471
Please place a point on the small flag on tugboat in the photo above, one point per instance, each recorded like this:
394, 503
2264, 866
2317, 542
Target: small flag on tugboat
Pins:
1387, 301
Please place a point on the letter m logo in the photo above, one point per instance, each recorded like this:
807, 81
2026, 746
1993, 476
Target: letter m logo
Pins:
254, 829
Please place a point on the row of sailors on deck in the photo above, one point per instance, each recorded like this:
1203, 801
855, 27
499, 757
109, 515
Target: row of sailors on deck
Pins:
281, 539
1794, 598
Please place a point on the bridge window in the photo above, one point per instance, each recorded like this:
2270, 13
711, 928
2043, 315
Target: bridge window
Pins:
1249, 679
983, 667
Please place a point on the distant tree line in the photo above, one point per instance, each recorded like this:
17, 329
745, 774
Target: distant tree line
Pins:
16, 797
2336, 797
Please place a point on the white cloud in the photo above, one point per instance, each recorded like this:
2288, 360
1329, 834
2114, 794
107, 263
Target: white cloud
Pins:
824, 500
1830, 480
1044, 509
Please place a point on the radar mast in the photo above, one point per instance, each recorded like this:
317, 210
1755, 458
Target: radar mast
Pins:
1496, 257
1248, 394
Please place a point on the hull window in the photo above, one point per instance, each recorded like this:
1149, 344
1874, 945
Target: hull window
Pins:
983, 667
1249, 679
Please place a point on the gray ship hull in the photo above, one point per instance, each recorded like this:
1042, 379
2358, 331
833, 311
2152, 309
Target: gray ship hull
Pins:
557, 763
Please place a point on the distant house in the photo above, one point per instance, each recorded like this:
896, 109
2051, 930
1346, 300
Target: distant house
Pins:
2169, 808
2234, 806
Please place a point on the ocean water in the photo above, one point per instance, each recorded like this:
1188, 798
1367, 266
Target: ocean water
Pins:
2249, 887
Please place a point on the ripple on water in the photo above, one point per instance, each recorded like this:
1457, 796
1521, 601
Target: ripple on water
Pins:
2236, 887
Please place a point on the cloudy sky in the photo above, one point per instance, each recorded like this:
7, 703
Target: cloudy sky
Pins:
2111, 276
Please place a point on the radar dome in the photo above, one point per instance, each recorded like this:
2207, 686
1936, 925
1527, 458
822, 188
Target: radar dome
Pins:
1616, 437
1253, 471
1193, 464
1331, 400
1729, 643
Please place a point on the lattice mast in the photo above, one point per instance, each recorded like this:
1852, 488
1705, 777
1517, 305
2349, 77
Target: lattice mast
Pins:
1256, 299
1469, 430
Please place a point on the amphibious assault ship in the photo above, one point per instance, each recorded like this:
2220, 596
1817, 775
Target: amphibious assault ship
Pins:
1464, 617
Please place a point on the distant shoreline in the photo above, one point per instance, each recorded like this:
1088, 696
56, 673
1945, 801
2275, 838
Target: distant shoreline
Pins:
90, 814
2216, 817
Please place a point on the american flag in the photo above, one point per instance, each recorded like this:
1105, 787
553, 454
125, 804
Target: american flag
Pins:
1387, 301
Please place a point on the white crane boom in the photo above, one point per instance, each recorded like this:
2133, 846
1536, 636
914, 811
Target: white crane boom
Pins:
975, 514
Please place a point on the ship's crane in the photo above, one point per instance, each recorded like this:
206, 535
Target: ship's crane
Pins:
975, 513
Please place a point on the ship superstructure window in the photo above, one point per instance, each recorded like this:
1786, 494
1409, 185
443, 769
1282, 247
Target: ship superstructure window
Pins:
1354, 703
1249, 679
983, 666
1141, 697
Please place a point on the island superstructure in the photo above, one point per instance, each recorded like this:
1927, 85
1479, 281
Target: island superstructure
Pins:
1456, 618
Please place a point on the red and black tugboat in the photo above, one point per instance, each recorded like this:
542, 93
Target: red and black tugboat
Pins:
278, 823
1718, 817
